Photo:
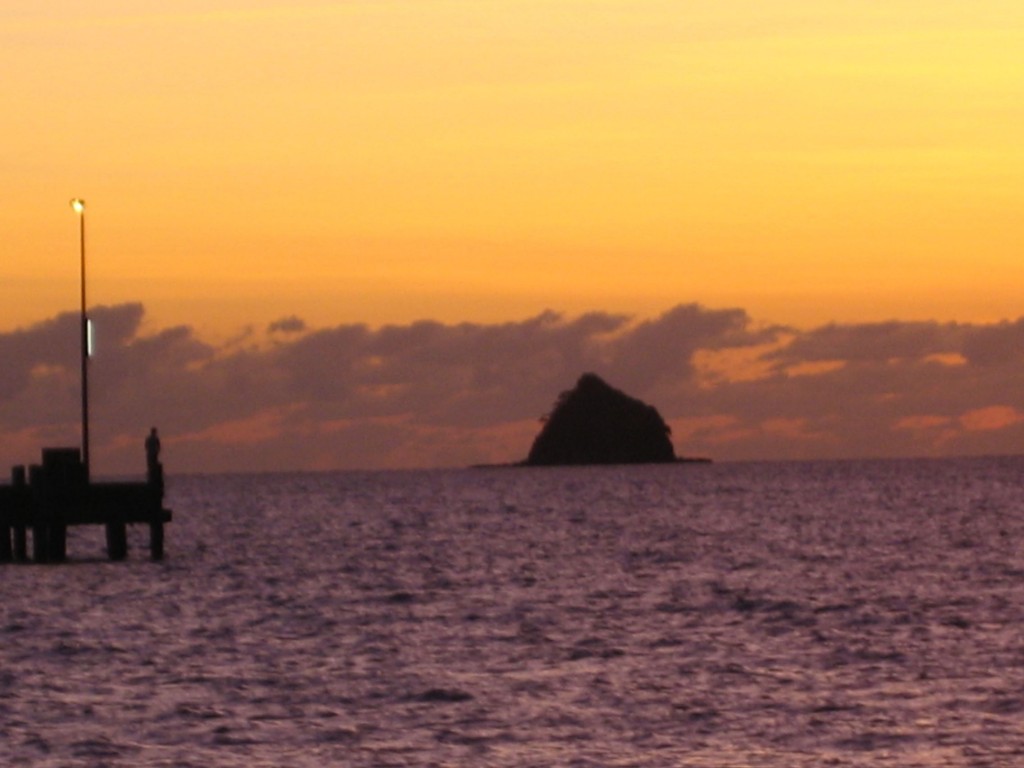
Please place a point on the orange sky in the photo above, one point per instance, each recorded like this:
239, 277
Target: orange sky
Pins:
385, 160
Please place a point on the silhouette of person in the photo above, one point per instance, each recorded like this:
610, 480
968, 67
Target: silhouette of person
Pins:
152, 451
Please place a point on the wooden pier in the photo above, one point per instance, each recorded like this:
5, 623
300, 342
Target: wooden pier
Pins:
57, 493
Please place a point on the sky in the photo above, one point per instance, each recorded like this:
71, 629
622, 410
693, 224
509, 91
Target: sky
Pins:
787, 225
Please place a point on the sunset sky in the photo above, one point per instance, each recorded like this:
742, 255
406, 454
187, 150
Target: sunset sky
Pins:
333, 168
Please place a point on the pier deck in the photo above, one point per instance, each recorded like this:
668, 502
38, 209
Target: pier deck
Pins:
57, 494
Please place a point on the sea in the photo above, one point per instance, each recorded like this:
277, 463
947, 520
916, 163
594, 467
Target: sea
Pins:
777, 615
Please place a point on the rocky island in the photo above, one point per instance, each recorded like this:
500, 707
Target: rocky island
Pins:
594, 423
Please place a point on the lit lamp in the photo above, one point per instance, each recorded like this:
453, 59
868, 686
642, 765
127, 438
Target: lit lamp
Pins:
78, 206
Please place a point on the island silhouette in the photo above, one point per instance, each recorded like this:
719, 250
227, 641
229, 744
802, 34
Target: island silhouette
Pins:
594, 423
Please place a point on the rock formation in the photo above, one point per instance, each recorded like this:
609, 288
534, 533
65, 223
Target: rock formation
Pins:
594, 423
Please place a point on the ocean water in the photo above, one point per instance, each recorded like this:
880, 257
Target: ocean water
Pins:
776, 614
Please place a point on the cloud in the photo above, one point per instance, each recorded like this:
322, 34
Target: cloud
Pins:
290, 324
435, 394
995, 417
995, 345
873, 342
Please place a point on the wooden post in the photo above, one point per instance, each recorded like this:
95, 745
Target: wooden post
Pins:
20, 544
64, 486
57, 546
156, 540
7, 516
37, 521
20, 534
40, 541
6, 551
117, 541
155, 480
20, 483
6, 519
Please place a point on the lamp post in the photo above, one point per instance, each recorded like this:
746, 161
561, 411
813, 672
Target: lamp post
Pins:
78, 205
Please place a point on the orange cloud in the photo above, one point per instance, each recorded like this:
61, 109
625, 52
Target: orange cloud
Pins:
950, 359
990, 419
718, 366
919, 423
815, 368
714, 430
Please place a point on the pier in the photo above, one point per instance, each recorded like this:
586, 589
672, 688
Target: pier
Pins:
58, 493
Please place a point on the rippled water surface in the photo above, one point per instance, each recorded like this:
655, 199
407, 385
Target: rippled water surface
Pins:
815, 614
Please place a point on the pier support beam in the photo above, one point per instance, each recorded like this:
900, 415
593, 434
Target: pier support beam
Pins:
58, 542
41, 542
156, 540
20, 544
117, 541
6, 527
13, 541
155, 481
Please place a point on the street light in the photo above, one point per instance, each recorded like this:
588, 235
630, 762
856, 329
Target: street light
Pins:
78, 206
